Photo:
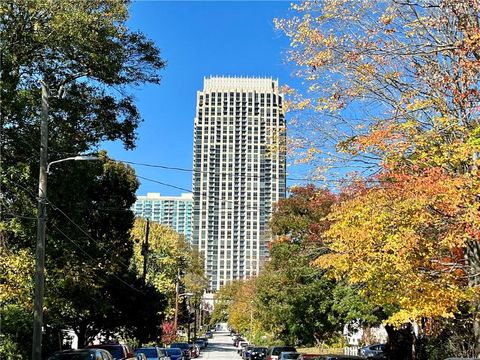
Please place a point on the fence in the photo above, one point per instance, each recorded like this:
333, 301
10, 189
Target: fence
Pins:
351, 350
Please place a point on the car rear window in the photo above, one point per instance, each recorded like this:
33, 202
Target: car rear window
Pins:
174, 351
148, 352
291, 355
115, 351
276, 351
84, 355
180, 345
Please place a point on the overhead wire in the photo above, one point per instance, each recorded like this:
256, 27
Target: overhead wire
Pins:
166, 167
53, 206
92, 258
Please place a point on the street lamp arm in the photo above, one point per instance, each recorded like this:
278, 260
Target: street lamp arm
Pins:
74, 158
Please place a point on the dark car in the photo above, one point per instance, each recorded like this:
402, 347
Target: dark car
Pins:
82, 354
237, 340
201, 344
186, 348
258, 353
175, 354
289, 355
240, 347
275, 351
246, 351
118, 351
153, 353
338, 357
209, 334
163, 354
372, 350
203, 339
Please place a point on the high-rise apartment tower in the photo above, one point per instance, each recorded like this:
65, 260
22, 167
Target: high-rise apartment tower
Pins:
238, 173
173, 211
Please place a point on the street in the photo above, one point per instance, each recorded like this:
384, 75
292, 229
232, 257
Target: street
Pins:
220, 347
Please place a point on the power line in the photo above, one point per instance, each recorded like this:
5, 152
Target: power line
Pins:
92, 258
54, 207
166, 167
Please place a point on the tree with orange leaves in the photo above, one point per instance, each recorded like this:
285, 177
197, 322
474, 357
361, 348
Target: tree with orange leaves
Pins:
393, 87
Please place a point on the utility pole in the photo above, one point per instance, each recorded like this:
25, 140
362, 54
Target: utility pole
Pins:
177, 293
195, 319
145, 252
41, 224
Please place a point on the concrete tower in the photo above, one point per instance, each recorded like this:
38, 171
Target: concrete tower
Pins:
238, 173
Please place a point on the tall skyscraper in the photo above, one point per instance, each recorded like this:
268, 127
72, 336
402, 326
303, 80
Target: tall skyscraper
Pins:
238, 173
173, 211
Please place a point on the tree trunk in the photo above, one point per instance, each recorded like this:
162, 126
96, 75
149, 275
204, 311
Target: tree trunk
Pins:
400, 342
472, 255
82, 335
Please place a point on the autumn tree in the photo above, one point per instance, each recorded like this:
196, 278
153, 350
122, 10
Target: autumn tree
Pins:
393, 90
169, 259
167, 253
293, 299
223, 298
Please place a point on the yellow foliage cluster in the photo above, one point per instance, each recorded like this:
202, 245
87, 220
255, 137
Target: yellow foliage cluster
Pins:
16, 272
403, 242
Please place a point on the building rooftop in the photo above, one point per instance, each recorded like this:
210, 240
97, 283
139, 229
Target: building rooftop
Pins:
158, 196
233, 83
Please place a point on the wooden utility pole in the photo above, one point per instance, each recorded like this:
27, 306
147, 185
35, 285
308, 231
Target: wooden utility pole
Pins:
145, 252
41, 225
177, 295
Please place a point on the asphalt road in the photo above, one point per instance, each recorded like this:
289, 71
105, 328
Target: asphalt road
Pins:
220, 348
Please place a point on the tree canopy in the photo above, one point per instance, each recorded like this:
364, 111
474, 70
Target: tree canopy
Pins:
89, 60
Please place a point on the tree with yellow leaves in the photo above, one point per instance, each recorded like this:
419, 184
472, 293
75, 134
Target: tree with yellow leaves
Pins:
393, 90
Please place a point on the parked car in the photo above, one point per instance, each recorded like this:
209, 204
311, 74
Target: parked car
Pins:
118, 351
163, 354
141, 356
209, 334
245, 350
175, 354
338, 357
194, 350
152, 353
186, 348
258, 353
81, 354
201, 344
203, 339
240, 346
372, 350
275, 351
289, 355
237, 340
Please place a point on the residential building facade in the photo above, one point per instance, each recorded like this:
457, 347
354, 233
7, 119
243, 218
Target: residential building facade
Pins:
239, 173
173, 211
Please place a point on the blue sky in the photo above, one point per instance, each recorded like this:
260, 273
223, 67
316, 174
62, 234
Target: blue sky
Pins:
197, 39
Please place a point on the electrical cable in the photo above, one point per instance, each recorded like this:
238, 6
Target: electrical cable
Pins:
166, 167
92, 258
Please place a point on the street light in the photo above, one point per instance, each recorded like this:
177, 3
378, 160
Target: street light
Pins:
41, 222
75, 158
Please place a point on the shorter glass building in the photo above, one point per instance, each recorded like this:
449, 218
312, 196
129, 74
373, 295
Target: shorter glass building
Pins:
173, 211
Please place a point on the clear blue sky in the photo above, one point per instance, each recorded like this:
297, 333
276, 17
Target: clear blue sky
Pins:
197, 39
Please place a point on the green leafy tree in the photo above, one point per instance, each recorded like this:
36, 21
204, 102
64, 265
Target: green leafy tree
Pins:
86, 56
170, 259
